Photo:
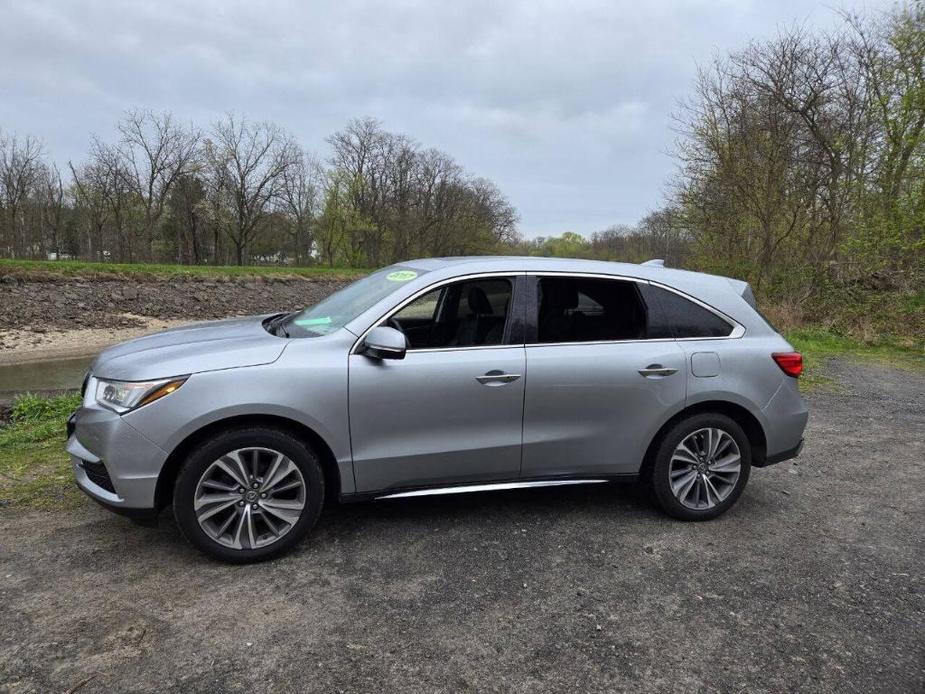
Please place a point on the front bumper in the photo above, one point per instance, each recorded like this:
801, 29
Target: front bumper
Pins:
113, 463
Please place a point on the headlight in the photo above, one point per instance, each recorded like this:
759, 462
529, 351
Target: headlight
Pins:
123, 396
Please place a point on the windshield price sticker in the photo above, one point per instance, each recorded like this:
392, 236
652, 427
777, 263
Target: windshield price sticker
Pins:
401, 276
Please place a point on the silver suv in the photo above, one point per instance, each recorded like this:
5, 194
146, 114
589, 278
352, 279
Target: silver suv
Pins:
438, 376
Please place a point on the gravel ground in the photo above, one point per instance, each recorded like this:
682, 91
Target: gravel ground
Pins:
813, 582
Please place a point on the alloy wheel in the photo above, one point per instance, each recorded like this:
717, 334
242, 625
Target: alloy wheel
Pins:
249, 498
704, 468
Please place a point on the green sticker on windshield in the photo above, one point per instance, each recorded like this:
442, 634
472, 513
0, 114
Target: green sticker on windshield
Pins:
325, 320
401, 276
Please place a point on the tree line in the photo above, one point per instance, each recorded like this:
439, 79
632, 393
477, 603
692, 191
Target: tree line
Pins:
801, 166
803, 161
242, 192
659, 234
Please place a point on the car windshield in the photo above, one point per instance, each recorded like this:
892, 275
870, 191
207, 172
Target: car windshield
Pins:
343, 306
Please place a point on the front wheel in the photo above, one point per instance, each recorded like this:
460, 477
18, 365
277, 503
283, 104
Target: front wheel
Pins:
248, 494
701, 467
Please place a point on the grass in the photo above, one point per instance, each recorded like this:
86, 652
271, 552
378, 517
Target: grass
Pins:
79, 268
34, 469
875, 321
818, 345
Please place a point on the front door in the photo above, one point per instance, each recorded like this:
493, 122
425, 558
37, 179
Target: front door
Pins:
451, 411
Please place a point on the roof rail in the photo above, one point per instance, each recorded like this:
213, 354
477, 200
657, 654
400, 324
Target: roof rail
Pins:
655, 262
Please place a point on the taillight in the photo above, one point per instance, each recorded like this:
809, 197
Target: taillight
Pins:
791, 363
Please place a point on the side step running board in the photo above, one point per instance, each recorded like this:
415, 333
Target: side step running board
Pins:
464, 489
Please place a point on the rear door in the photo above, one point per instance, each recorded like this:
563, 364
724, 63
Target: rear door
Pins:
602, 373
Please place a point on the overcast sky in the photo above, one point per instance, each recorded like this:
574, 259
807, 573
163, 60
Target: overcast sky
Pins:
566, 105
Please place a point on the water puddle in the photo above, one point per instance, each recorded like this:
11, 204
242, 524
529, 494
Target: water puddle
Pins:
54, 374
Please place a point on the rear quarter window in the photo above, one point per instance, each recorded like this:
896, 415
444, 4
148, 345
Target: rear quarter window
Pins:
682, 317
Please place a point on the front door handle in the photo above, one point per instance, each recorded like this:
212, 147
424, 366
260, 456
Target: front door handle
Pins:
496, 378
657, 370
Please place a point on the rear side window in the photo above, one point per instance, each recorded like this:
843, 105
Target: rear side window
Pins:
584, 309
682, 317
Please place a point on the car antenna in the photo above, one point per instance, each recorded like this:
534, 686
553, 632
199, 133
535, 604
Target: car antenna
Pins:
655, 262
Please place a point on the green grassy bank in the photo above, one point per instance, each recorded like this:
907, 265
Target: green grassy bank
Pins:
818, 345
79, 268
34, 469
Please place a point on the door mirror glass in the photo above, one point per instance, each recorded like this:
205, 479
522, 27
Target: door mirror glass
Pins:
384, 342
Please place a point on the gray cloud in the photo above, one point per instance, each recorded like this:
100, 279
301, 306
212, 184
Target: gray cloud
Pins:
565, 105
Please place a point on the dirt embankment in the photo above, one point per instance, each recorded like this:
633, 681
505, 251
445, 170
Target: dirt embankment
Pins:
46, 316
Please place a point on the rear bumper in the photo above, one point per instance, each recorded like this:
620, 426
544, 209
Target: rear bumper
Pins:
784, 420
782, 456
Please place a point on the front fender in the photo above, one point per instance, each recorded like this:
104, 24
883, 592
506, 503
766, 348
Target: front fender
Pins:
314, 397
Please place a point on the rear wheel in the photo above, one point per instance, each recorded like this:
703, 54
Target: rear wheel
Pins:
249, 494
701, 467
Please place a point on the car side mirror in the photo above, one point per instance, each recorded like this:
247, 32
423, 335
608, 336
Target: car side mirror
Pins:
385, 343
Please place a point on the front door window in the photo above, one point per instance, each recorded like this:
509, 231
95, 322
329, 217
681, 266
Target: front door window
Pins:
471, 313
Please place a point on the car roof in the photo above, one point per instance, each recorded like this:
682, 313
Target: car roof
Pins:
514, 263
434, 263
524, 262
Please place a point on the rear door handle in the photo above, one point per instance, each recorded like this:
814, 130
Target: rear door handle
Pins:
496, 378
657, 370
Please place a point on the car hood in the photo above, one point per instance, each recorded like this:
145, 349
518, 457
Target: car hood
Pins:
209, 346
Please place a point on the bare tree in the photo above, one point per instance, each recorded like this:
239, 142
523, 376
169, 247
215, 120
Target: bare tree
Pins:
20, 167
405, 201
155, 152
438, 183
189, 211
52, 200
300, 197
247, 163
354, 151
90, 186
358, 153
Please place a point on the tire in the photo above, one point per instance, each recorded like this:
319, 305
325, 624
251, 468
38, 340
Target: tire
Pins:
704, 498
277, 509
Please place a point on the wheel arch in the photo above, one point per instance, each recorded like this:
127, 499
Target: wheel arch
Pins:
168, 476
739, 414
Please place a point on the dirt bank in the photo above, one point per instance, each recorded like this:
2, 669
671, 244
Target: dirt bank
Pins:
44, 316
23, 346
